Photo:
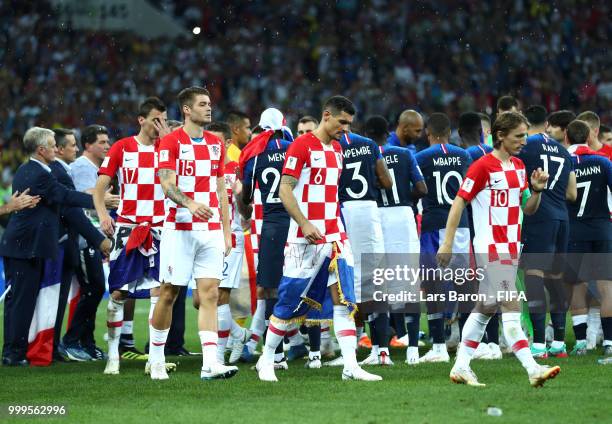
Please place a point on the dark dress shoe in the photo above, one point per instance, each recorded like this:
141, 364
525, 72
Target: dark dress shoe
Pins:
10, 362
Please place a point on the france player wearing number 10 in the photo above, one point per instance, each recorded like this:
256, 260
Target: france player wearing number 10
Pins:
444, 167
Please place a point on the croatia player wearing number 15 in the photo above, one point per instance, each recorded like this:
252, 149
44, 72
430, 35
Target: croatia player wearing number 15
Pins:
196, 234
494, 185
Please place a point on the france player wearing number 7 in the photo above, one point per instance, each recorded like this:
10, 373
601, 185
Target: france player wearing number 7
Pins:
494, 185
397, 217
444, 167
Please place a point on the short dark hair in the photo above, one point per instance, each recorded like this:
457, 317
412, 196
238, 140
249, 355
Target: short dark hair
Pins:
470, 126
235, 117
506, 103
504, 123
187, 96
149, 104
603, 129
578, 132
591, 118
439, 125
307, 118
90, 134
339, 104
376, 127
60, 136
536, 114
561, 118
221, 127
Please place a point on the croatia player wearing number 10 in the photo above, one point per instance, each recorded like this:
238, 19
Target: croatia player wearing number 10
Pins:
318, 255
494, 185
196, 234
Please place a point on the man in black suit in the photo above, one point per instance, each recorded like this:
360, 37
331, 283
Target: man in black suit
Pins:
31, 237
74, 222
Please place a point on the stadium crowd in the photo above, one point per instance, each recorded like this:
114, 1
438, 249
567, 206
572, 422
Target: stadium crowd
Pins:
220, 180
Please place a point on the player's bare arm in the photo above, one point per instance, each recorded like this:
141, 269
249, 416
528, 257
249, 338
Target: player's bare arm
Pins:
107, 225
382, 175
539, 179
167, 178
245, 199
454, 216
225, 218
571, 193
287, 184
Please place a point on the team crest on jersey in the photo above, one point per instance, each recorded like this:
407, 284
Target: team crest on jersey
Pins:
215, 150
468, 184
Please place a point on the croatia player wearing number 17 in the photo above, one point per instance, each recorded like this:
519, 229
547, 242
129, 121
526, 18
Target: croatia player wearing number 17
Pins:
444, 167
134, 260
494, 185
196, 234
318, 255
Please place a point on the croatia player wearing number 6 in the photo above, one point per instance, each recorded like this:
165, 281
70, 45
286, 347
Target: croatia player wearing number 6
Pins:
134, 259
196, 234
318, 255
494, 185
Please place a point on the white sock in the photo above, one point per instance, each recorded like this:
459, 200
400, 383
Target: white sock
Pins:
439, 348
258, 325
557, 344
237, 332
114, 321
274, 337
346, 335
209, 340
593, 324
517, 340
312, 355
295, 338
473, 330
127, 328
153, 302
224, 319
157, 342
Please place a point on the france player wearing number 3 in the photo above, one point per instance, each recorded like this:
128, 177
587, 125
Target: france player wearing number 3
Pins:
196, 234
134, 259
494, 185
317, 255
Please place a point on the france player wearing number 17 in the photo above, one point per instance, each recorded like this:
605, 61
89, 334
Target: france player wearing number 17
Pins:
494, 185
444, 166
318, 254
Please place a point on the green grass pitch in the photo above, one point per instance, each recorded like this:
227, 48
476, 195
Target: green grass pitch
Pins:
419, 394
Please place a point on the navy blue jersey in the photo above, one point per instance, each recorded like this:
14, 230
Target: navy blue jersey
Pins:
590, 214
543, 152
444, 167
478, 151
358, 177
264, 171
405, 173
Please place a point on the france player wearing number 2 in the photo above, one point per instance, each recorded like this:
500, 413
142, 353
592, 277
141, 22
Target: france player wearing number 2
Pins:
444, 167
134, 259
545, 235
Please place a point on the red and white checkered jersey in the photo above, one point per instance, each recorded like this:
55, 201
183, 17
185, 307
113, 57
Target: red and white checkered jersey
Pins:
197, 163
317, 168
230, 179
494, 190
256, 219
141, 195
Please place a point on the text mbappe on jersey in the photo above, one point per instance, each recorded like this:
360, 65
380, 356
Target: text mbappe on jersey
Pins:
447, 161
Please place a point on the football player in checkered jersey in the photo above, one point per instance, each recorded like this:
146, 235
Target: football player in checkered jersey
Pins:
134, 259
318, 255
261, 165
232, 266
196, 234
494, 185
